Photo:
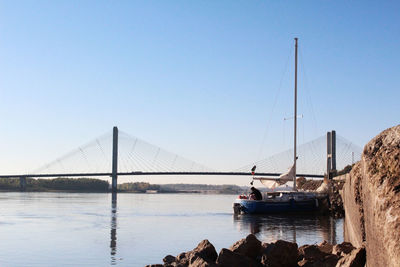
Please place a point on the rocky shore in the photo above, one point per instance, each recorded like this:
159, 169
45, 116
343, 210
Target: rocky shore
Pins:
253, 253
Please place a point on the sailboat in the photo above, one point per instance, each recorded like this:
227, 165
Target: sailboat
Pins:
286, 199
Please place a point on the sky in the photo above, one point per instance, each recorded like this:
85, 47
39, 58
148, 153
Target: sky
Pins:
211, 81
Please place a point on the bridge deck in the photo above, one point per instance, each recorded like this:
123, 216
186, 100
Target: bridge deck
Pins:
48, 175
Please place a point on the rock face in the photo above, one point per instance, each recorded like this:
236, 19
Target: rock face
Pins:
372, 200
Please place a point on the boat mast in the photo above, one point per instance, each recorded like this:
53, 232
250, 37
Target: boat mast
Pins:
295, 114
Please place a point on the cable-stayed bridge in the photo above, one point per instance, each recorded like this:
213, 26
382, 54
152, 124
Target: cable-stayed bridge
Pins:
120, 154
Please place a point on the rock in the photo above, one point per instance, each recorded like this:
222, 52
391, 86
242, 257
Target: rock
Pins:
200, 262
356, 258
169, 259
228, 258
155, 265
181, 256
329, 261
317, 255
342, 249
280, 253
372, 200
325, 247
312, 252
206, 250
249, 246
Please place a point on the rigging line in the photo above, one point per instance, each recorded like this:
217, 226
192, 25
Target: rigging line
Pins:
273, 106
308, 94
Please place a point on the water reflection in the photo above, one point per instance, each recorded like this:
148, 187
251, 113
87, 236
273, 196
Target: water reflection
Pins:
113, 243
299, 228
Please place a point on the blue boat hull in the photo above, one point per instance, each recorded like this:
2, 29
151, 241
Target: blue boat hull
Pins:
265, 207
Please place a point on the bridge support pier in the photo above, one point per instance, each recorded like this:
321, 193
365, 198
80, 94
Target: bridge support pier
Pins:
331, 154
22, 183
114, 174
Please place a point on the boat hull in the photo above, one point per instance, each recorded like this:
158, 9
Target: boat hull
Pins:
266, 207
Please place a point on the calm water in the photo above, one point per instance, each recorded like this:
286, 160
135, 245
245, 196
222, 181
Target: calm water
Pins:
71, 229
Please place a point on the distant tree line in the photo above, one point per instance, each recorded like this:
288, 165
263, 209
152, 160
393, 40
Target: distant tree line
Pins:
221, 189
57, 184
97, 185
140, 187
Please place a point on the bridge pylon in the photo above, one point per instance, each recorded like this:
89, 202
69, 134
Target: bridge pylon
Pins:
114, 173
331, 154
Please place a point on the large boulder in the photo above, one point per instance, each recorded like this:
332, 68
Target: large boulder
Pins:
200, 262
228, 258
342, 249
372, 200
206, 250
280, 253
169, 259
312, 252
204, 254
329, 261
249, 246
356, 258
325, 247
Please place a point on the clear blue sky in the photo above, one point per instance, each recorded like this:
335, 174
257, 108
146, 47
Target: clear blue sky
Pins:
198, 78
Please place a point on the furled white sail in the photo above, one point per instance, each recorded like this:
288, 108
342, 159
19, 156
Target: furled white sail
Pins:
283, 178
287, 176
270, 183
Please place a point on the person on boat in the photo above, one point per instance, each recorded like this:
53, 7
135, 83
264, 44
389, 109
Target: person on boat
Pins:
255, 194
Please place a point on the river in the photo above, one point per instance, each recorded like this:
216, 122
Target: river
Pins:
86, 229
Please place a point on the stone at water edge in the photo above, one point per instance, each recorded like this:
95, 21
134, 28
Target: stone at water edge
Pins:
249, 246
325, 247
356, 258
169, 259
200, 262
342, 249
280, 254
227, 258
203, 252
312, 252
206, 250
